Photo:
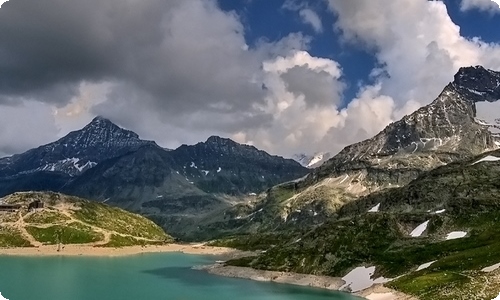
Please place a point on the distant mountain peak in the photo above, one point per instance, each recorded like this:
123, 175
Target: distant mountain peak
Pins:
79, 150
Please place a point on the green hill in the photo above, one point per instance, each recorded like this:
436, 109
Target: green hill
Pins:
71, 220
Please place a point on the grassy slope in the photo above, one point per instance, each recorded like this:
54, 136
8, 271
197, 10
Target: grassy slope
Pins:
116, 219
53, 224
469, 193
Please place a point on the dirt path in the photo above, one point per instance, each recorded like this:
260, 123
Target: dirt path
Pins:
20, 225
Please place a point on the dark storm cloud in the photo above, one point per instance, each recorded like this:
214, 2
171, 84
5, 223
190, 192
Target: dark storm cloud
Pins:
317, 87
186, 54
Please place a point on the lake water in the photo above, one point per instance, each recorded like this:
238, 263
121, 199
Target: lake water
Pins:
142, 277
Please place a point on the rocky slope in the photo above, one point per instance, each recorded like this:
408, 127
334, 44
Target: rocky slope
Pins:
437, 235
459, 124
76, 152
70, 220
178, 187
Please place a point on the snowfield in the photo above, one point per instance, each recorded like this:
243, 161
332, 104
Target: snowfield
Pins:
376, 208
360, 279
2, 298
487, 158
425, 266
417, 232
456, 235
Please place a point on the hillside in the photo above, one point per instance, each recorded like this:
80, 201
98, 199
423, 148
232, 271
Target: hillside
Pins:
460, 123
438, 236
70, 220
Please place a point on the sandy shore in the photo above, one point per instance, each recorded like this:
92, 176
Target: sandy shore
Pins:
376, 292
82, 250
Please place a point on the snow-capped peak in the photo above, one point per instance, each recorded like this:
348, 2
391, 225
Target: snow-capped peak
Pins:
312, 161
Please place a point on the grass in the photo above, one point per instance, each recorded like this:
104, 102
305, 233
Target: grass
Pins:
46, 217
118, 220
118, 241
73, 233
11, 237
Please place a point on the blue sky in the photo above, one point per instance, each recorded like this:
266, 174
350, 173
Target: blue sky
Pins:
272, 21
288, 76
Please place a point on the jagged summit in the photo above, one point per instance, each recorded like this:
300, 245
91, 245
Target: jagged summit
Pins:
78, 151
478, 84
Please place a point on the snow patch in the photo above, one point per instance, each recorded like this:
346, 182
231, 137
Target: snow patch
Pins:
219, 169
193, 165
497, 298
456, 235
487, 158
2, 298
360, 279
375, 208
425, 266
206, 172
491, 268
437, 212
252, 194
419, 230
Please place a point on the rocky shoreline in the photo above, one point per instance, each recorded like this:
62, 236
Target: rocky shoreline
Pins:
376, 292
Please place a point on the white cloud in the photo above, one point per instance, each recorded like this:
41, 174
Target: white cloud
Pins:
482, 5
195, 76
310, 17
307, 15
418, 48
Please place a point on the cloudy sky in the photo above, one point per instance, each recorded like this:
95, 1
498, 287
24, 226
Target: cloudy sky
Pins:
288, 76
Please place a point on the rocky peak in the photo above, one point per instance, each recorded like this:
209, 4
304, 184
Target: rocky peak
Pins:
78, 151
478, 84
448, 129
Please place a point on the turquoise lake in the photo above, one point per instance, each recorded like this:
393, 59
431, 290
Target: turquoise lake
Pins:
140, 277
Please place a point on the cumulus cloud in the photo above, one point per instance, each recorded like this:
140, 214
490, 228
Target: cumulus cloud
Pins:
482, 5
181, 70
307, 15
418, 48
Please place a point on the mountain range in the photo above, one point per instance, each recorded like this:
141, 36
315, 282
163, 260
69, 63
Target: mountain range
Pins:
107, 163
398, 201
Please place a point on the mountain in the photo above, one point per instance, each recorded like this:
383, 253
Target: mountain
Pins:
459, 124
435, 237
176, 188
312, 161
71, 220
76, 152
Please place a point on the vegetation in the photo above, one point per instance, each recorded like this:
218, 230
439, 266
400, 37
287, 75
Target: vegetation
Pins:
118, 220
73, 233
11, 237
46, 217
470, 195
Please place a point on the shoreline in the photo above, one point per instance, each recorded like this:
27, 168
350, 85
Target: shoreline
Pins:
376, 292
88, 250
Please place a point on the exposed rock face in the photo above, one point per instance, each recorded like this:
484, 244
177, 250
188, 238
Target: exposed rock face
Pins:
444, 131
76, 152
455, 126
